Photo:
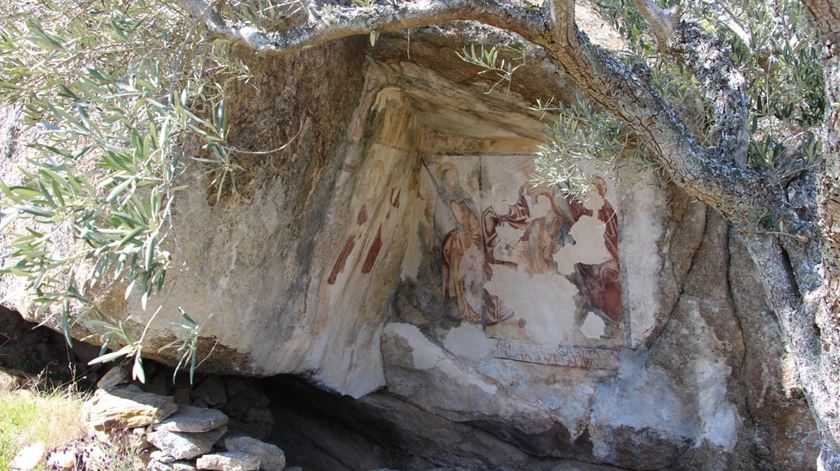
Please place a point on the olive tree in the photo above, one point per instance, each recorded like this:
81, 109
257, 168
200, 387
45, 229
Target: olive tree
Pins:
155, 71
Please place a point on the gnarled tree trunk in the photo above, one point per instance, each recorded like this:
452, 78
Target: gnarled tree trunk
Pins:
826, 15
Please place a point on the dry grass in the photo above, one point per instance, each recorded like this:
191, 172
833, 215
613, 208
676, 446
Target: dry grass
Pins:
29, 416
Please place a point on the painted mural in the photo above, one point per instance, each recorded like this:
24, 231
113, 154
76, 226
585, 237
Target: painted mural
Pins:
369, 250
363, 256
538, 269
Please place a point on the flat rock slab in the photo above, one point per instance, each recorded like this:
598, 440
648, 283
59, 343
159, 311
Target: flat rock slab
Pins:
184, 446
271, 456
183, 466
124, 408
193, 420
175, 466
229, 461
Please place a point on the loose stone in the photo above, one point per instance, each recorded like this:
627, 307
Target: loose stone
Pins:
193, 420
229, 461
271, 457
180, 445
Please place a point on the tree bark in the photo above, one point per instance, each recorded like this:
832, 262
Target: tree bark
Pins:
826, 17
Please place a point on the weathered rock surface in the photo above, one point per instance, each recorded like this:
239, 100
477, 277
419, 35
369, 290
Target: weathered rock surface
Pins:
271, 456
183, 466
184, 446
211, 391
229, 461
114, 377
125, 408
136, 438
173, 466
161, 457
193, 419
395, 253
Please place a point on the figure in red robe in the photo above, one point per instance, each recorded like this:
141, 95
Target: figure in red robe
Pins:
602, 282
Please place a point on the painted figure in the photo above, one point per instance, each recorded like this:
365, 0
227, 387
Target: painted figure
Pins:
545, 233
602, 282
515, 218
463, 270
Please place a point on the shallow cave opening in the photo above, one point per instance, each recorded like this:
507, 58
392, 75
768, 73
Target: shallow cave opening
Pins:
317, 429
32, 352
320, 430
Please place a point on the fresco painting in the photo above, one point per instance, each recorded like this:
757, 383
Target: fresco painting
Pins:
504, 245
361, 232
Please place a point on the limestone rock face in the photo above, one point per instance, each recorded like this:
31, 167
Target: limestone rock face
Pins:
398, 253
113, 378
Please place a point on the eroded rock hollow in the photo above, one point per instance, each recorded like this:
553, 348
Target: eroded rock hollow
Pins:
396, 254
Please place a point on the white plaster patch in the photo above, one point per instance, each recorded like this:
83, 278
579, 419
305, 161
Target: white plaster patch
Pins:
588, 248
539, 208
594, 201
367, 375
593, 326
425, 354
464, 377
508, 236
468, 341
640, 398
643, 207
547, 305
719, 418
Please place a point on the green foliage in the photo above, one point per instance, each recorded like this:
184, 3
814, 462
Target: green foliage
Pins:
769, 43
264, 13
493, 60
114, 88
187, 346
582, 142
772, 45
